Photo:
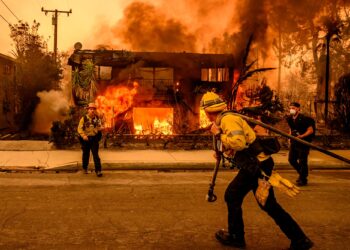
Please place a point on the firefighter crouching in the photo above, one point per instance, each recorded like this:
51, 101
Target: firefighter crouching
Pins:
255, 174
90, 134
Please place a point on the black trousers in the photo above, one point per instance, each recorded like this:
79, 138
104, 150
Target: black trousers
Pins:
298, 156
234, 195
91, 145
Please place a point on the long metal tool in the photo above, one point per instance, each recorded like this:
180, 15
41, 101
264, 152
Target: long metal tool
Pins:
264, 125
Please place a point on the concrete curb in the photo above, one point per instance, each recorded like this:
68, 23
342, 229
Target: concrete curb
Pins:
158, 166
164, 160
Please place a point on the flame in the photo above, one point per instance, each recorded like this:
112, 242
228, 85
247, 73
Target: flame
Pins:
236, 74
138, 129
153, 121
162, 127
114, 101
203, 119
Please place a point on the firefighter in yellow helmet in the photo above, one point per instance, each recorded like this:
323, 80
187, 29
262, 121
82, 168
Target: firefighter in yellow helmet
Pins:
248, 155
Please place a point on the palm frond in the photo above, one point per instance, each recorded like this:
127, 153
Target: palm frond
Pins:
247, 50
247, 67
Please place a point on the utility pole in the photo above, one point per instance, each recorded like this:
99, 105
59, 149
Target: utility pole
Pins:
55, 23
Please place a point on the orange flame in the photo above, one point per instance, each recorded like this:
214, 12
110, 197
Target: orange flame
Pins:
157, 121
236, 74
203, 119
114, 101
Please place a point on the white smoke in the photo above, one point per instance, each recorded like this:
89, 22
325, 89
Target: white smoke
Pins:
53, 106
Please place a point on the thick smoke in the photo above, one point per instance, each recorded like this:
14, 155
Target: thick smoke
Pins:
53, 106
145, 28
252, 20
215, 26
207, 25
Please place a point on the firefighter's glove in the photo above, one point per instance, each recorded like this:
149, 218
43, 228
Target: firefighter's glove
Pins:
229, 153
262, 192
283, 184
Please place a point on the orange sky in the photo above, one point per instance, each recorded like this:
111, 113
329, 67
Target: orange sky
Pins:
95, 22
77, 27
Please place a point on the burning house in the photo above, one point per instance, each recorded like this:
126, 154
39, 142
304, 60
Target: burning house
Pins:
149, 92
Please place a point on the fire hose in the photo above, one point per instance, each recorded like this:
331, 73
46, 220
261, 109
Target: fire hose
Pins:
211, 197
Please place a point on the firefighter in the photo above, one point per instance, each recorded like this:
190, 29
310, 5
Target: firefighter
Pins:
238, 138
90, 134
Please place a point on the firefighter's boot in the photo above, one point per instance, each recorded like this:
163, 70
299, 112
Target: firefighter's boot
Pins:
304, 244
230, 239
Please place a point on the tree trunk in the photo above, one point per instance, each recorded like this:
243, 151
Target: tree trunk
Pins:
327, 82
279, 61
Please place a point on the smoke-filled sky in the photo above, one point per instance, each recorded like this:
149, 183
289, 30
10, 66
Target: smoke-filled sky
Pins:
173, 25
157, 25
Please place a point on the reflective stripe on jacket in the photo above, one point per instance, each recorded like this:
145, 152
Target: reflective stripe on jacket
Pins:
236, 133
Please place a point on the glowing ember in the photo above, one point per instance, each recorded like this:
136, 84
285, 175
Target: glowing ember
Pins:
236, 74
203, 119
157, 121
114, 101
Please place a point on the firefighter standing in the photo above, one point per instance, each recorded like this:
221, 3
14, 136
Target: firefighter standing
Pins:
237, 136
89, 130
301, 126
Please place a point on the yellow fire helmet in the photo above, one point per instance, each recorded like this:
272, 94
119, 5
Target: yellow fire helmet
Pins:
211, 102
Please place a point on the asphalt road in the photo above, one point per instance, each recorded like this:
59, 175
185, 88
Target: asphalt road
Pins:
158, 210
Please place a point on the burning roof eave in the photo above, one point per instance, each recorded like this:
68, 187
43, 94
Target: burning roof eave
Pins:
122, 58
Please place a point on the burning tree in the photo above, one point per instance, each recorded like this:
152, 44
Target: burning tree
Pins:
268, 102
245, 73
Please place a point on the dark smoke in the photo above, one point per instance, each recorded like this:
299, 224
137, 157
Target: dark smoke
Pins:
265, 18
211, 26
252, 19
145, 28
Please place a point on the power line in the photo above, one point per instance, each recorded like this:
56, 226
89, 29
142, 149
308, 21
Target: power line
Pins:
5, 19
10, 10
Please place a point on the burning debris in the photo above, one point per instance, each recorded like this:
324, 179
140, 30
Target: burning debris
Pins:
153, 121
114, 101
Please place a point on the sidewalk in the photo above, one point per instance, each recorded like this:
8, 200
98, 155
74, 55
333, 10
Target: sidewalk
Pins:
41, 156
